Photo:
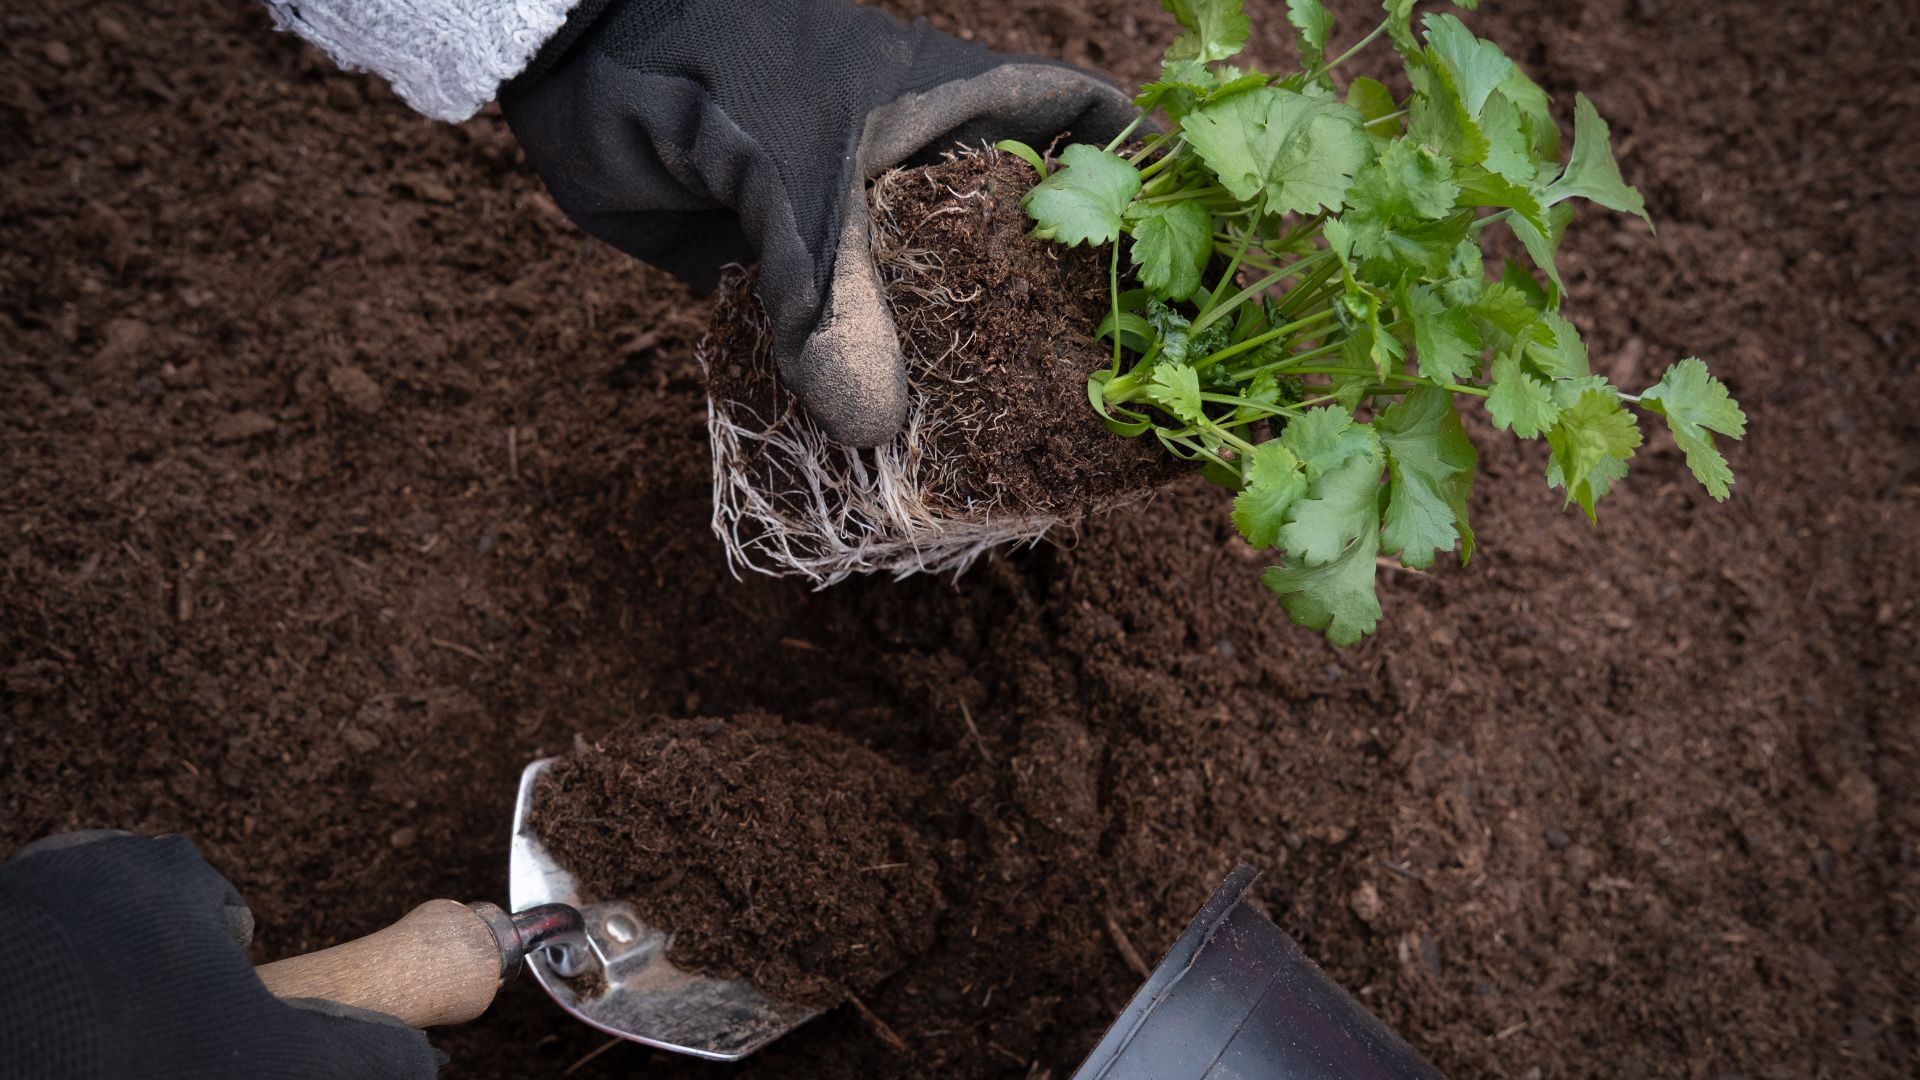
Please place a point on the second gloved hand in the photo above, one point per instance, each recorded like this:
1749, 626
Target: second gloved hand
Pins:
694, 133
125, 956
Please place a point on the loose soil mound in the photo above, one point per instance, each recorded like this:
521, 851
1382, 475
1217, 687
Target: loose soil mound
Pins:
341, 478
999, 444
781, 853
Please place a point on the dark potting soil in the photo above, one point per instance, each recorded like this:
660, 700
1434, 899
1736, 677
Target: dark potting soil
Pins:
339, 477
784, 853
1004, 319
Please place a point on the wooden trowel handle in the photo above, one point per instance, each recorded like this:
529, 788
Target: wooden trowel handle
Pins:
440, 964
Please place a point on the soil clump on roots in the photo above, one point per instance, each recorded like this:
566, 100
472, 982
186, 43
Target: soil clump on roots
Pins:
999, 444
781, 853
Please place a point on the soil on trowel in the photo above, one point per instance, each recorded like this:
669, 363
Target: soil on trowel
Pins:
782, 853
997, 329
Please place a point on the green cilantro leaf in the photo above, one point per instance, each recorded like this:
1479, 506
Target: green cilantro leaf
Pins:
1486, 188
1536, 117
1343, 505
1542, 246
1338, 597
1176, 388
1696, 404
1560, 354
1592, 173
1215, 29
1083, 200
1368, 341
1172, 329
1531, 222
1478, 66
1568, 392
1509, 147
1339, 237
1445, 341
1373, 101
1518, 400
1179, 93
1165, 319
1274, 481
1325, 438
1400, 26
1591, 443
1171, 245
1430, 462
1286, 150
1407, 180
1466, 276
1515, 276
1439, 118
1264, 390
1506, 310
1400, 213
1312, 22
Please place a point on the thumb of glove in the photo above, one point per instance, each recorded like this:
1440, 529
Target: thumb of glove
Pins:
843, 363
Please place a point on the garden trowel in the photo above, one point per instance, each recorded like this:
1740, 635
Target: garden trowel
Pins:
443, 962
619, 978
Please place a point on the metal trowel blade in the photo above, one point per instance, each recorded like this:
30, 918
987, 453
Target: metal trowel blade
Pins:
625, 985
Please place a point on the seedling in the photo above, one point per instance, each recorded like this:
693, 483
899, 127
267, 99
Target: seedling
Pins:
1307, 295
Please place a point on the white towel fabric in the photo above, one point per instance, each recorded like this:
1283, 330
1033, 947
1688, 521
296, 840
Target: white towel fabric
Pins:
446, 58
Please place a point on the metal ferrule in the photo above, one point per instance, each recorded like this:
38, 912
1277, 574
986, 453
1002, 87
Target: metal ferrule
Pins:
557, 928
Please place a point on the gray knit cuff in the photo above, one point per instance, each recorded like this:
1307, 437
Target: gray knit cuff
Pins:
446, 58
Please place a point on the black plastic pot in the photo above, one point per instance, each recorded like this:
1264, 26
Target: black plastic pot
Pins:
1236, 999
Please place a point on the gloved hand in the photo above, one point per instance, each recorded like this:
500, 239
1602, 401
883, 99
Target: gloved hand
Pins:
125, 956
694, 133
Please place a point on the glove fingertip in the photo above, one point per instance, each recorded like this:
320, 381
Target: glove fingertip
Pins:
362, 1044
855, 381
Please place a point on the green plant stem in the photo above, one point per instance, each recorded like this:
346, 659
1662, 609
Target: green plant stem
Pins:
1383, 119
1223, 244
1243, 403
1480, 224
1276, 366
1302, 231
1168, 159
1260, 339
1113, 290
1296, 298
1226, 279
1476, 391
1124, 132
1308, 299
1199, 451
1182, 195
1230, 439
1214, 315
1152, 144
1348, 55
1119, 390
1158, 185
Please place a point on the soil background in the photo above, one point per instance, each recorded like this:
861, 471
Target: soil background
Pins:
341, 477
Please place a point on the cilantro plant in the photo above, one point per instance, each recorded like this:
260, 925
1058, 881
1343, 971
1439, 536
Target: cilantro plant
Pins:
1308, 296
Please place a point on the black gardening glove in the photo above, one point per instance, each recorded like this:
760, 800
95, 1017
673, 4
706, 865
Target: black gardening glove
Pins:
694, 133
125, 956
